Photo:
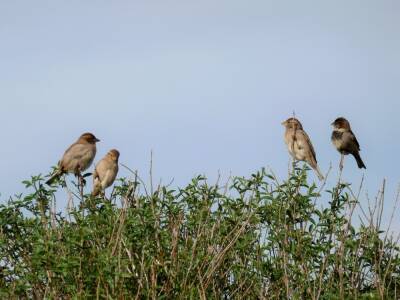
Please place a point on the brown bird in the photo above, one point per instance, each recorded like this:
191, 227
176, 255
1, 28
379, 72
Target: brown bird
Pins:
345, 141
105, 172
299, 144
77, 158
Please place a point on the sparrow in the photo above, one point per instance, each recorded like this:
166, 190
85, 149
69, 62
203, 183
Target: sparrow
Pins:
345, 141
105, 172
299, 144
77, 158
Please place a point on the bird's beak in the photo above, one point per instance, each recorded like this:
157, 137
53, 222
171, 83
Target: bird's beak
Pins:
97, 140
283, 123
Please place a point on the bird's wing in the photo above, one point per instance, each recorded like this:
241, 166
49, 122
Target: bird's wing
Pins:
353, 137
304, 142
109, 174
102, 170
107, 179
76, 151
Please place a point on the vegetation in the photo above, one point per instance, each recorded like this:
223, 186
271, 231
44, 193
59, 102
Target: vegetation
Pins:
254, 238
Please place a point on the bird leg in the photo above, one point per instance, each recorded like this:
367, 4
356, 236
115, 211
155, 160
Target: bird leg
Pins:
81, 181
341, 162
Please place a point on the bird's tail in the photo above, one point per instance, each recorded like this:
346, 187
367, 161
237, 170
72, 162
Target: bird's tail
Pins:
360, 163
54, 177
319, 173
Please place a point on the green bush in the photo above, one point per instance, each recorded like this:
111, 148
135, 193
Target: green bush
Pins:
254, 238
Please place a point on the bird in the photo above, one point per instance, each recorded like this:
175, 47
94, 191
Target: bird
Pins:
105, 172
77, 158
299, 144
345, 141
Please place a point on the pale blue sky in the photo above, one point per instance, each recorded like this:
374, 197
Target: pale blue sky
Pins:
204, 84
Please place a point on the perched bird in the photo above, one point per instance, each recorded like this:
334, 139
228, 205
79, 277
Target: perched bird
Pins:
299, 144
77, 158
345, 141
105, 172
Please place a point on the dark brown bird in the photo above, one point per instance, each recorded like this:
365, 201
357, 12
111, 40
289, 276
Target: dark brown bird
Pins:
77, 158
345, 141
105, 172
299, 144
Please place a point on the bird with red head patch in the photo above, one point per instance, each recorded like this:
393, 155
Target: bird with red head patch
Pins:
345, 141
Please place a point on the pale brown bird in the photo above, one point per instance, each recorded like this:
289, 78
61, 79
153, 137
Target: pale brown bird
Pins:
105, 172
299, 144
345, 141
77, 158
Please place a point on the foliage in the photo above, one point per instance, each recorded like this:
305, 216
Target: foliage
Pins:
255, 238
